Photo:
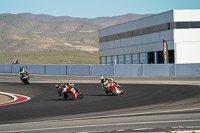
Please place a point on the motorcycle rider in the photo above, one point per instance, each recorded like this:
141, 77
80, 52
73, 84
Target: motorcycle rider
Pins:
60, 87
104, 82
22, 72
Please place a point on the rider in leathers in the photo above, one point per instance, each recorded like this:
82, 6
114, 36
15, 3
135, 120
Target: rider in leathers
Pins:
105, 81
22, 72
60, 87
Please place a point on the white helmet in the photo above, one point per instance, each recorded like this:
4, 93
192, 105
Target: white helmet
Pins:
102, 79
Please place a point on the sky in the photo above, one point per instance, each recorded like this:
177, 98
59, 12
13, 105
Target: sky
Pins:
94, 8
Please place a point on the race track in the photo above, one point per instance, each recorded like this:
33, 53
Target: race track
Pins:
141, 106
46, 103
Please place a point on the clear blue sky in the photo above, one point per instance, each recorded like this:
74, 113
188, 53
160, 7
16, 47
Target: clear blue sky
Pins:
94, 8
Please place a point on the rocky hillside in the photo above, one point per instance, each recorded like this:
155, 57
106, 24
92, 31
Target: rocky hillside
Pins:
31, 32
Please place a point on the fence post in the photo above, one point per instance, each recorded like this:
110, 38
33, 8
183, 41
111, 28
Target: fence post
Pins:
89, 69
66, 69
45, 69
11, 68
142, 70
175, 70
113, 69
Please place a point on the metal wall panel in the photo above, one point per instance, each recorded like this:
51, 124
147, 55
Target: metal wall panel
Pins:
117, 43
124, 42
108, 45
158, 70
138, 24
78, 70
134, 40
108, 70
16, 67
5, 68
128, 70
188, 69
101, 70
151, 38
56, 69
36, 69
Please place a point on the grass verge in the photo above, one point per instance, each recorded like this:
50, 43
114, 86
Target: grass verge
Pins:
50, 57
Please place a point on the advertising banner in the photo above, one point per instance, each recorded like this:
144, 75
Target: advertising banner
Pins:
165, 52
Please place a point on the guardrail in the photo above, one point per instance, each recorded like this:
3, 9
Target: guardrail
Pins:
107, 70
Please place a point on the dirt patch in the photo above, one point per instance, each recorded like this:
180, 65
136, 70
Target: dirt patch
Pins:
4, 98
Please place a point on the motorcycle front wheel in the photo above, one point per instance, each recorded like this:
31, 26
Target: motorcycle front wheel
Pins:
114, 92
26, 82
71, 95
80, 96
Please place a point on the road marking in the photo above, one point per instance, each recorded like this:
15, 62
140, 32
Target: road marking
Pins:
106, 116
102, 125
16, 98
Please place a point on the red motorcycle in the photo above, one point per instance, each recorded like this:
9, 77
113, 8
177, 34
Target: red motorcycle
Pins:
113, 88
71, 93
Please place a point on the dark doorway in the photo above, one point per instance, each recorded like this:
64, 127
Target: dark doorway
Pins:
171, 56
160, 58
151, 58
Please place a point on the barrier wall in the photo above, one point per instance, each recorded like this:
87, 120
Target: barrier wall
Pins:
16, 67
158, 70
36, 69
56, 70
128, 70
187, 70
108, 70
78, 70
101, 70
5, 68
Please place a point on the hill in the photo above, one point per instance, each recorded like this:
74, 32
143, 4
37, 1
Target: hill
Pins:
32, 33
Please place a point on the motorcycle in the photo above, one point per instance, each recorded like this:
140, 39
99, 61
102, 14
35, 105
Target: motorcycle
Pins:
113, 88
71, 93
25, 78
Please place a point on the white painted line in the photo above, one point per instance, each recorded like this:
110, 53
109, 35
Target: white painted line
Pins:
138, 129
101, 125
10, 95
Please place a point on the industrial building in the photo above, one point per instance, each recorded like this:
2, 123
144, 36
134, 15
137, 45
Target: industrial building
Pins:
141, 41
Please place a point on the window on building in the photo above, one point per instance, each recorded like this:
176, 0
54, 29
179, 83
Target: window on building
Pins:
194, 24
135, 58
109, 60
160, 58
143, 58
180, 25
121, 59
171, 56
125, 34
115, 59
128, 59
151, 58
103, 60
149, 30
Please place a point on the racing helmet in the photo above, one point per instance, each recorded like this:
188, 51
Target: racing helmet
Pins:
102, 79
57, 85
21, 69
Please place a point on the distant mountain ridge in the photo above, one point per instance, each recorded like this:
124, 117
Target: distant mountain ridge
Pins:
32, 32
102, 21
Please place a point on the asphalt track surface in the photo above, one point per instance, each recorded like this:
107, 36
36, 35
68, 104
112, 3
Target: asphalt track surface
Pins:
45, 104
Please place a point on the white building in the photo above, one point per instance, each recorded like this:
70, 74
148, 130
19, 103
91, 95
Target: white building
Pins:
140, 41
